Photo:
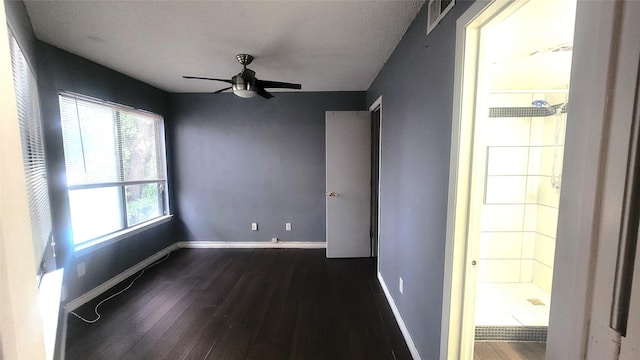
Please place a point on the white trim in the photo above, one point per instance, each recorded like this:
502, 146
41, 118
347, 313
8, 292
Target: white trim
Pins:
98, 290
63, 341
95, 292
456, 340
49, 302
396, 313
377, 104
252, 245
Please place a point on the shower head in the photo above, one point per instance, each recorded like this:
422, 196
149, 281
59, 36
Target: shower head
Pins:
541, 103
552, 109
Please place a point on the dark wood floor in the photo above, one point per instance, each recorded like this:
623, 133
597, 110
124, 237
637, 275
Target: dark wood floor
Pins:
244, 304
493, 350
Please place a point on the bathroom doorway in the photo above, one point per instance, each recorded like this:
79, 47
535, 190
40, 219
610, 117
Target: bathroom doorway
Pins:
507, 151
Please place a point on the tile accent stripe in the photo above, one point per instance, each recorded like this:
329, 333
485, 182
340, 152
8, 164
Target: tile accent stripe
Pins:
528, 111
511, 333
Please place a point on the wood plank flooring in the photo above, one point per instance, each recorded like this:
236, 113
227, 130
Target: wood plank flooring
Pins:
243, 304
495, 350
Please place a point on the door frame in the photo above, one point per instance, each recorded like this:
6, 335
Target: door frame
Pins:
456, 340
377, 105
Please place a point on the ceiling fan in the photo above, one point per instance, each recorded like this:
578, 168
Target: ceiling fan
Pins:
246, 85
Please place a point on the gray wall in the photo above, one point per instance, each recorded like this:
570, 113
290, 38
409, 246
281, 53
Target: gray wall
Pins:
239, 161
58, 71
20, 24
416, 85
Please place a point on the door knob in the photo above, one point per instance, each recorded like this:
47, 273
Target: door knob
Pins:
331, 194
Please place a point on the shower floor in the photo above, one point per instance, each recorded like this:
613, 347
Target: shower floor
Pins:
511, 304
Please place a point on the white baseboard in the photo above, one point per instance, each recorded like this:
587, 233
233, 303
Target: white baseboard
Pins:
95, 292
252, 245
396, 314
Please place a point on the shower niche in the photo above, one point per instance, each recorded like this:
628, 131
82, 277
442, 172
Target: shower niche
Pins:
523, 152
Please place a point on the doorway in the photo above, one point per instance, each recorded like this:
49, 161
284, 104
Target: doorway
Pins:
348, 178
353, 162
506, 172
376, 123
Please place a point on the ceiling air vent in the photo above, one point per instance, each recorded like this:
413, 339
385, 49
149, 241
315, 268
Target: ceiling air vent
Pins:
436, 11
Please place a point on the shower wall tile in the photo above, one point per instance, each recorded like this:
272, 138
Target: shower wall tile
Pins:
507, 132
530, 217
510, 99
505, 189
500, 245
555, 98
502, 217
537, 131
563, 129
547, 221
545, 248
547, 194
499, 271
542, 276
546, 161
528, 244
533, 185
538, 96
549, 132
507, 160
526, 270
519, 219
534, 160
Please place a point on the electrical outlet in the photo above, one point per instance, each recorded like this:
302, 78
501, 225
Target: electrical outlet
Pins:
81, 269
254, 226
274, 240
401, 286
287, 226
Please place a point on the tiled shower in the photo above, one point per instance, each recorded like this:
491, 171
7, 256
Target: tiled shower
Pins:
524, 146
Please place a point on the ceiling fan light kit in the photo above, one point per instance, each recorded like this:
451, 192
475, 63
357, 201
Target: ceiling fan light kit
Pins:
246, 85
243, 89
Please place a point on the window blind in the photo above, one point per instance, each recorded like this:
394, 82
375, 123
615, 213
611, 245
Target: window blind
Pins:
115, 162
33, 152
107, 143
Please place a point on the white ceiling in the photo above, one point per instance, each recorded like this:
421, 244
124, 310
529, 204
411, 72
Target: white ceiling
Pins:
523, 47
324, 45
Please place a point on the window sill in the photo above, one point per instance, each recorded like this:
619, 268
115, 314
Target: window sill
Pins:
88, 247
49, 303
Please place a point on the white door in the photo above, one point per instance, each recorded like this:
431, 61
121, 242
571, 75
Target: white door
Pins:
348, 183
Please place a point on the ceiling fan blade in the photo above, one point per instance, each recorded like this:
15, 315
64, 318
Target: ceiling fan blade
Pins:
221, 90
264, 93
277, 84
206, 78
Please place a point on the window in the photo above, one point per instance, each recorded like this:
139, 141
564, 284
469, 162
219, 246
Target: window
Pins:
116, 172
33, 154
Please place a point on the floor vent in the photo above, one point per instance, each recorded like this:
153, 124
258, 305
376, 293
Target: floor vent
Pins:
511, 333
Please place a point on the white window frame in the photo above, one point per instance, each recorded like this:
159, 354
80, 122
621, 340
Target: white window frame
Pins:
127, 231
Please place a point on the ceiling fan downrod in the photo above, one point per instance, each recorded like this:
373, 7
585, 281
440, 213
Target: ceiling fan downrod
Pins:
244, 59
